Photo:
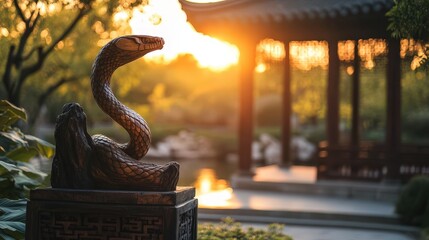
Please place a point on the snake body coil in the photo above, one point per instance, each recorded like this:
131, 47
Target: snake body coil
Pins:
107, 164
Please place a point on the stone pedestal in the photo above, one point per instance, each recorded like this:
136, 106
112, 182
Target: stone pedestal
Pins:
68, 214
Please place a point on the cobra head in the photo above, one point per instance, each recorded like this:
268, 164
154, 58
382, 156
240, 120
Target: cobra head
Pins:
132, 47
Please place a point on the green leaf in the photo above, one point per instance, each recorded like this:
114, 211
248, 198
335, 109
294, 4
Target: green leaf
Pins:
20, 147
7, 167
12, 204
8, 235
10, 114
7, 106
7, 119
12, 138
30, 171
17, 177
22, 154
5, 184
44, 148
12, 218
23, 181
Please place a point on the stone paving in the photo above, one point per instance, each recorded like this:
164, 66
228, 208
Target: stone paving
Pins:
323, 233
261, 200
305, 226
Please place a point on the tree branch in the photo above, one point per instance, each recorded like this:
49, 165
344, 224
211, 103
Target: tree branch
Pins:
29, 28
44, 96
27, 71
33, 23
54, 87
19, 11
8, 70
83, 11
42, 54
30, 53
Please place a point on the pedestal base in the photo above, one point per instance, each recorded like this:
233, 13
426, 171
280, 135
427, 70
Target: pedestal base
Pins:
93, 214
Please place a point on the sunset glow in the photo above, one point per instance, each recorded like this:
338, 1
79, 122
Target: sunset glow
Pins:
412, 48
204, 1
166, 19
305, 55
309, 54
212, 192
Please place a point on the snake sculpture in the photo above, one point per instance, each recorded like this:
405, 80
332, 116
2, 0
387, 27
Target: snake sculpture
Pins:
98, 162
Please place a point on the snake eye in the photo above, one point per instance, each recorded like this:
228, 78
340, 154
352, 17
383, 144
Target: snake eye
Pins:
138, 40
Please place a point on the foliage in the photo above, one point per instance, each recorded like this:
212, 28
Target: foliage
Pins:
12, 219
414, 99
41, 42
416, 124
309, 94
413, 202
229, 229
425, 234
308, 89
223, 139
410, 19
17, 176
268, 110
179, 92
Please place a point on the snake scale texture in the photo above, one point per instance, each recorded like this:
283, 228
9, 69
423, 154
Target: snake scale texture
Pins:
98, 162
124, 171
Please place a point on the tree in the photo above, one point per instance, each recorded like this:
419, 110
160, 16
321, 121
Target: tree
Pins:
34, 33
410, 19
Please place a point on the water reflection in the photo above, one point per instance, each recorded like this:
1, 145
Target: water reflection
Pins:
211, 191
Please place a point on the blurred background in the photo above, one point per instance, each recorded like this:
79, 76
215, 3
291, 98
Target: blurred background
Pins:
188, 91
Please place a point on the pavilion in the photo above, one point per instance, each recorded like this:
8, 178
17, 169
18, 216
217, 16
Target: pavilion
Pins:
246, 22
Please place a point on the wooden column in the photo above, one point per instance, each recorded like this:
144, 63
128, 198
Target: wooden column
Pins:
333, 102
287, 111
393, 120
355, 97
247, 66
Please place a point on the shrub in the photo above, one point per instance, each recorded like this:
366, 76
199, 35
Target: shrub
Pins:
415, 125
17, 176
228, 229
413, 202
12, 218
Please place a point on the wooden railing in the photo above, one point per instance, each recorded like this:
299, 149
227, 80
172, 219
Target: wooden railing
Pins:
372, 162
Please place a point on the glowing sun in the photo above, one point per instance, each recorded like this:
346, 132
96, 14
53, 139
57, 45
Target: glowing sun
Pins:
165, 18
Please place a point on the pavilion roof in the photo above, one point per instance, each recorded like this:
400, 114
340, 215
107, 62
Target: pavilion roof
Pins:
233, 20
275, 11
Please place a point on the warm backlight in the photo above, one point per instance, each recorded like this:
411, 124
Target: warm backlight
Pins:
212, 192
305, 55
166, 19
204, 1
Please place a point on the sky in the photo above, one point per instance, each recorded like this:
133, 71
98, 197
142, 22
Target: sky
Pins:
165, 18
